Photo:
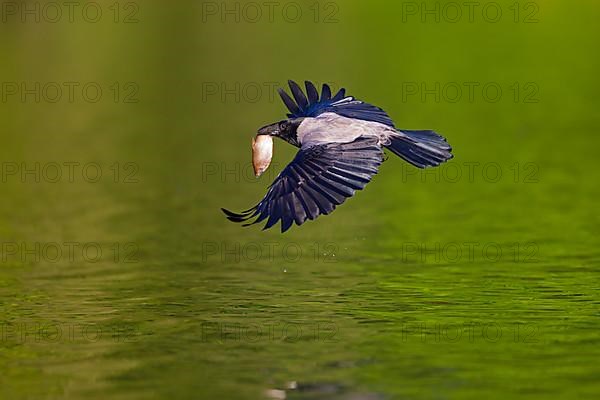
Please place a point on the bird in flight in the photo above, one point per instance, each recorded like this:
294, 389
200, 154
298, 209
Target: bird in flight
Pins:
341, 141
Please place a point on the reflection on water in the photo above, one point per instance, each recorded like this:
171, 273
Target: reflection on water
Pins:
124, 280
295, 390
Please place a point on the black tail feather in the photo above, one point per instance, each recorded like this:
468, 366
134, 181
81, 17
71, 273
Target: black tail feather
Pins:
421, 148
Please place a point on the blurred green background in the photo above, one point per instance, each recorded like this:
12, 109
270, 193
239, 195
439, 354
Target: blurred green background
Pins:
127, 125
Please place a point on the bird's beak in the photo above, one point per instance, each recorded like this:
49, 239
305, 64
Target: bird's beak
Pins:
271, 130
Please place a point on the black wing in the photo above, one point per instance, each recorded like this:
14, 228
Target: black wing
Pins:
317, 180
311, 106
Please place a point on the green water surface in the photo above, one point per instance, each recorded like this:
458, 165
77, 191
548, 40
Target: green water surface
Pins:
478, 280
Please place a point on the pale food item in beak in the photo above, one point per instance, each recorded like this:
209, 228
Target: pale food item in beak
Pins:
262, 153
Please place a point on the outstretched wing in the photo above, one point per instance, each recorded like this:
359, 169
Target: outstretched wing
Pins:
319, 178
347, 106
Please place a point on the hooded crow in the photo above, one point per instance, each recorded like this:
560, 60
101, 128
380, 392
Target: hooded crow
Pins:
341, 141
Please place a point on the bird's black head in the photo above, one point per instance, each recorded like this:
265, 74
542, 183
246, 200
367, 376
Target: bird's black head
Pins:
285, 130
